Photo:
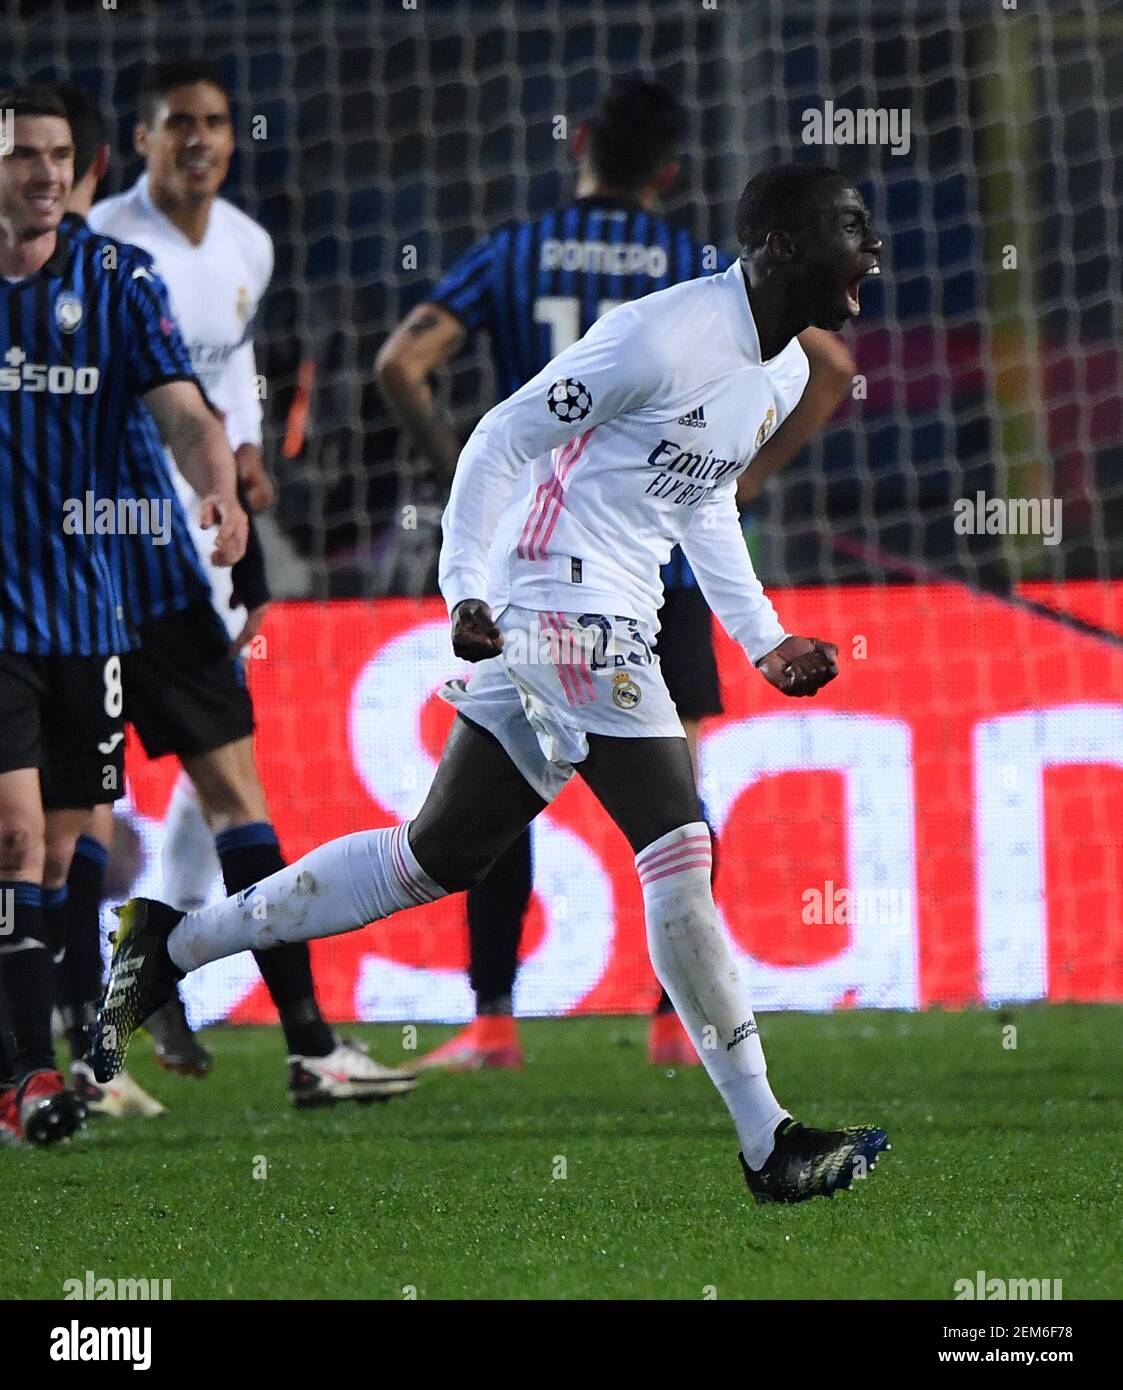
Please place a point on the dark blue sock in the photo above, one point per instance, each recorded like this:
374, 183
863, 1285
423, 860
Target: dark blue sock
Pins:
79, 979
26, 983
249, 853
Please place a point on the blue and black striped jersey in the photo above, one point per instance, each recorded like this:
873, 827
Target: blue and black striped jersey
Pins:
154, 578
80, 342
164, 578
536, 287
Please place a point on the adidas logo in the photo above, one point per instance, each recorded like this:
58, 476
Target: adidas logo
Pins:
696, 419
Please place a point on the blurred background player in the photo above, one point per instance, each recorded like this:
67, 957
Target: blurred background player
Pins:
535, 288
93, 319
185, 688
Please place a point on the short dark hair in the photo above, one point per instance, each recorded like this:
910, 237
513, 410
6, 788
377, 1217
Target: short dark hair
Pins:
161, 78
637, 129
781, 199
39, 100
86, 125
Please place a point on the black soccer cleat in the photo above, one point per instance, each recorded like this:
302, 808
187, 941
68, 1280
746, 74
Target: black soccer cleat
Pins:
814, 1162
177, 1047
142, 979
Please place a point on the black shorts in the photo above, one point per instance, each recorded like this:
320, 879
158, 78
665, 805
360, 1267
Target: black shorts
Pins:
685, 646
184, 692
62, 714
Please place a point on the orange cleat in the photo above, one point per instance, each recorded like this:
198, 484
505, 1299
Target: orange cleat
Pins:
489, 1041
668, 1043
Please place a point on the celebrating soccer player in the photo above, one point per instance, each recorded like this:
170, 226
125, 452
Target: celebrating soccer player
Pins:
535, 288
567, 499
185, 691
85, 335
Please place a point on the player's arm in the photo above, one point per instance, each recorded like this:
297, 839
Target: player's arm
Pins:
426, 339
159, 371
613, 369
242, 419
715, 547
832, 372
249, 459
249, 581
199, 446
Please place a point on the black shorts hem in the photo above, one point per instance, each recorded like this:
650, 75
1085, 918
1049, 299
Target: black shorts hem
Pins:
184, 693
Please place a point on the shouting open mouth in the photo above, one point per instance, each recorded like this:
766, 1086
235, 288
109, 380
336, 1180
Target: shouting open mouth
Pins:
852, 301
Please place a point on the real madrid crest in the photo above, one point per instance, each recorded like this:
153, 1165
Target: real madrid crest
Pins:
766, 426
626, 694
68, 311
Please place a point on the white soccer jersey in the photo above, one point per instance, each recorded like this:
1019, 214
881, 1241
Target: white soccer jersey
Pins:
214, 289
571, 494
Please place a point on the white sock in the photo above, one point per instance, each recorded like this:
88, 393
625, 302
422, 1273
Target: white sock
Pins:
337, 888
695, 966
188, 862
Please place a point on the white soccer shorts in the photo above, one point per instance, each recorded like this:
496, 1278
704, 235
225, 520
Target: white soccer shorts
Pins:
559, 678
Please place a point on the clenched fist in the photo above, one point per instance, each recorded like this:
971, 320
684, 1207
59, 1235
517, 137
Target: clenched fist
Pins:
474, 635
800, 665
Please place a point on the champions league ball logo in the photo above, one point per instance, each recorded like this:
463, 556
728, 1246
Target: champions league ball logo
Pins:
570, 401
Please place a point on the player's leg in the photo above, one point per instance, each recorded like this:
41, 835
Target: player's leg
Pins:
685, 647
79, 973
322, 1068
25, 963
69, 717
233, 803
11, 1131
189, 868
361, 878
78, 845
668, 1043
496, 907
647, 786
62, 827
478, 803
83, 768
186, 695
189, 863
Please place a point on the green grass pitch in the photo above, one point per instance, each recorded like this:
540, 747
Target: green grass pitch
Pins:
1005, 1159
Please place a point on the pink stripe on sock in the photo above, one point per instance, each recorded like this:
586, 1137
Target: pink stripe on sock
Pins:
704, 862
695, 852
648, 858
